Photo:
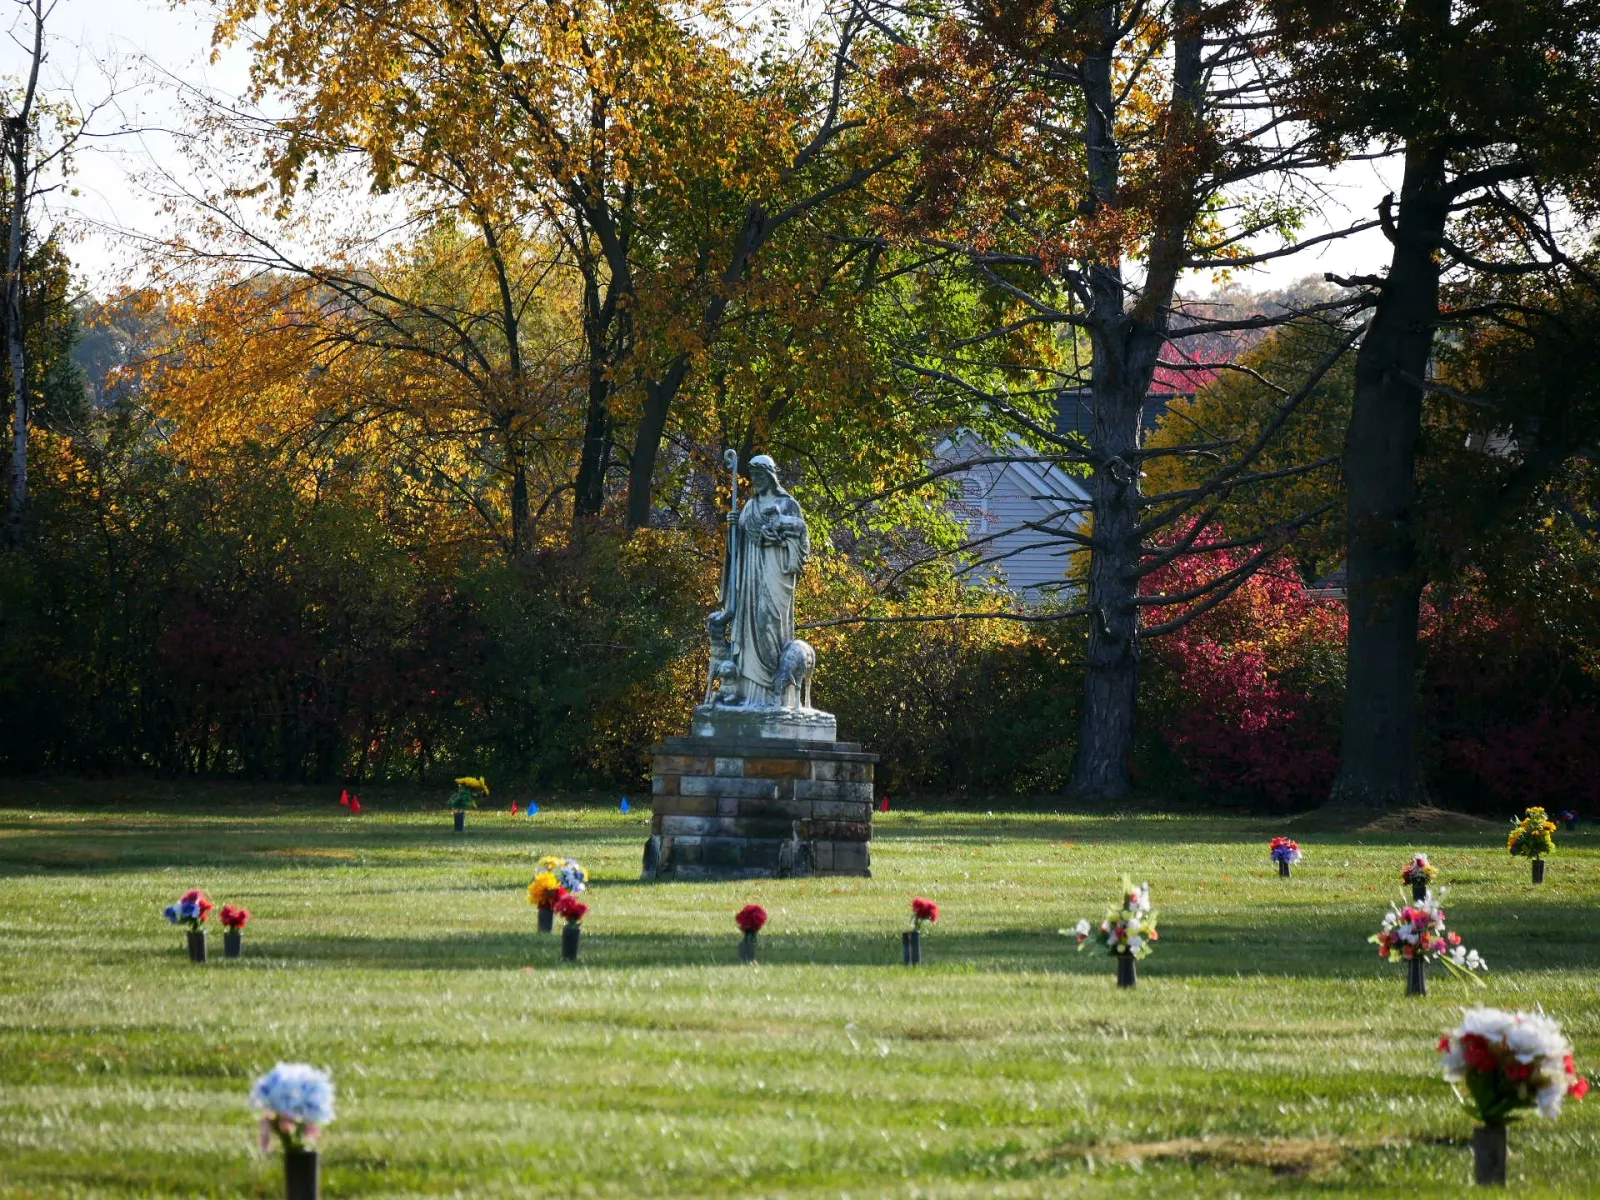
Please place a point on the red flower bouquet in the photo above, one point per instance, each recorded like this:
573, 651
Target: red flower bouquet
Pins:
750, 919
234, 917
923, 910
570, 909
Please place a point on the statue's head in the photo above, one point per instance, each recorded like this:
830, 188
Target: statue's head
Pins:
763, 474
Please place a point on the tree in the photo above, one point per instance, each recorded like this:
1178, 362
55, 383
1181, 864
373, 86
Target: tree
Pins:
1494, 109
1078, 159
439, 377
662, 149
22, 171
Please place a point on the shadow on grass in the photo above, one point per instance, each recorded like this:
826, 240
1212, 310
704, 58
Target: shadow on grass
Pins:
29, 847
1189, 949
124, 843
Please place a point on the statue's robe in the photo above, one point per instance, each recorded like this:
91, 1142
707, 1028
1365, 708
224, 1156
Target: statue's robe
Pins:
763, 601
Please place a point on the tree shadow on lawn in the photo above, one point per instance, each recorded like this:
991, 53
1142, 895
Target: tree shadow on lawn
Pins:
1533, 940
29, 847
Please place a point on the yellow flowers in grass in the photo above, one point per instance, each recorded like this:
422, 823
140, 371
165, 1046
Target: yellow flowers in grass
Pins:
1530, 837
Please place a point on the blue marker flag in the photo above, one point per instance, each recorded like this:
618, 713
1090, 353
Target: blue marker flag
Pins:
625, 805
533, 809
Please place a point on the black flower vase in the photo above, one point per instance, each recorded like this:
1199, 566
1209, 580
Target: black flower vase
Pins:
233, 944
1283, 867
911, 947
1538, 870
461, 820
569, 940
1416, 977
1489, 1156
197, 945
747, 948
1419, 891
1127, 971
302, 1175
547, 920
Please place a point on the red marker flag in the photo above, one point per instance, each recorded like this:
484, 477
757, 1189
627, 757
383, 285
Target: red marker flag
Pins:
344, 799
513, 808
355, 804
884, 806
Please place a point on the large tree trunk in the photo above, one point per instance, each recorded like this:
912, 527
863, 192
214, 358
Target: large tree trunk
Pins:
1127, 346
1111, 678
595, 455
647, 444
1378, 754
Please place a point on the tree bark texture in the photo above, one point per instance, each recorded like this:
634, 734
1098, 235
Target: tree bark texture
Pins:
1126, 349
1378, 756
16, 144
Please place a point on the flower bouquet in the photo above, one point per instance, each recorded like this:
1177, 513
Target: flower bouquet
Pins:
1419, 873
1415, 934
554, 879
1126, 933
1530, 838
1285, 852
295, 1102
922, 911
571, 910
1569, 817
193, 910
1507, 1061
749, 919
233, 923
468, 789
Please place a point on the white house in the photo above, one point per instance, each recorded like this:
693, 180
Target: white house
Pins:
1010, 509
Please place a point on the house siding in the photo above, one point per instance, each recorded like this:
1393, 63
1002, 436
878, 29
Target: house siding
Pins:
1004, 497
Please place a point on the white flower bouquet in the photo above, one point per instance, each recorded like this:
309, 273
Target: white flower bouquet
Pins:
1130, 930
1509, 1061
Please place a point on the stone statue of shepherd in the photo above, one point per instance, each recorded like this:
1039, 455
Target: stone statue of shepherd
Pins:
756, 661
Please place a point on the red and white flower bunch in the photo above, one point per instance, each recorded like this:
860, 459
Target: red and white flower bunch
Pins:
1130, 930
1508, 1061
1417, 930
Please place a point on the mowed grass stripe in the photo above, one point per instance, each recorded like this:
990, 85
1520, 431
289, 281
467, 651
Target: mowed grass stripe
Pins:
1265, 1045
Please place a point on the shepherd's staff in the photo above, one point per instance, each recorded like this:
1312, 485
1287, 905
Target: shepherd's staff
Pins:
721, 621
730, 459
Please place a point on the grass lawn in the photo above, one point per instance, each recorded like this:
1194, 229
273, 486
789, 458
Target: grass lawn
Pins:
1265, 1049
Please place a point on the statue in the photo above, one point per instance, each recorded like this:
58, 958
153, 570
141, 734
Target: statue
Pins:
757, 663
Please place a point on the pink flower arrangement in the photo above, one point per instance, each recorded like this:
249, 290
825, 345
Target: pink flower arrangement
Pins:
1417, 930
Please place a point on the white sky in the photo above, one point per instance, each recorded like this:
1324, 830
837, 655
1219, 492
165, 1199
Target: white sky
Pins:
154, 39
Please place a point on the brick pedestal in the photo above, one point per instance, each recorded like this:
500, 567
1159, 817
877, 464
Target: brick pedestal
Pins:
731, 809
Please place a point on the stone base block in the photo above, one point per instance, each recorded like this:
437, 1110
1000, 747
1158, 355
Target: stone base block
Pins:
743, 807
711, 721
